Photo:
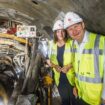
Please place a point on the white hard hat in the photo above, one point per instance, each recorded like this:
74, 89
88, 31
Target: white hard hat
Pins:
71, 18
58, 25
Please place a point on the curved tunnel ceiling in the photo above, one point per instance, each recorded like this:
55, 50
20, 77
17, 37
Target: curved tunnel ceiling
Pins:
43, 13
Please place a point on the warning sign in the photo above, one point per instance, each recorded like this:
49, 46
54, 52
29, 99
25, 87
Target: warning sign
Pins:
26, 31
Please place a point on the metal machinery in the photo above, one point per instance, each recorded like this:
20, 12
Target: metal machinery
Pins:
25, 79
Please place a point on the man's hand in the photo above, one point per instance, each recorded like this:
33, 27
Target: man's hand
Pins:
103, 101
75, 92
66, 68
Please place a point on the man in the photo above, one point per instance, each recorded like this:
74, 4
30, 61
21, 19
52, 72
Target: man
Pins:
89, 49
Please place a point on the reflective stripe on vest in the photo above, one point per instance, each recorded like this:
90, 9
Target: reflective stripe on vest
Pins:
88, 51
96, 51
88, 79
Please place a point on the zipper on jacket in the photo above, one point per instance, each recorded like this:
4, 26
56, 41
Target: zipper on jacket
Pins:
78, 78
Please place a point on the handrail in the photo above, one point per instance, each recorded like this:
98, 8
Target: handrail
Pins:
11, 36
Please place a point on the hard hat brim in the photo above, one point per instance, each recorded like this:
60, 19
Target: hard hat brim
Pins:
72, 23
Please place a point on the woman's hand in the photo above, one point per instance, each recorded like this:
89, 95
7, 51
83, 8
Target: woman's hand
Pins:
57, 67
66, 68
48, 62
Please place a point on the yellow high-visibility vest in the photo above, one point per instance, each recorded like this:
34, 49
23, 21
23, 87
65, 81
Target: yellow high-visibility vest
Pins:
67, 59
89, 69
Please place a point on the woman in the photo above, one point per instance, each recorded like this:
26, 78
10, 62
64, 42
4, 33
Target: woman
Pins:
61, 61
